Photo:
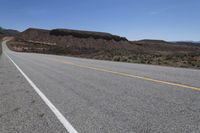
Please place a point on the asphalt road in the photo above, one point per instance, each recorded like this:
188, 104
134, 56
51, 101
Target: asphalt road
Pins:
111, 97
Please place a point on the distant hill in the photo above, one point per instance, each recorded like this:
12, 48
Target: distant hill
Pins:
100, 41
187, 43
76, 41
100, 45
8, 32
31, 32
152, 41
148, 41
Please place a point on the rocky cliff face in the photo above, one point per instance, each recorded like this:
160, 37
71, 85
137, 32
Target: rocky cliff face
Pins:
78, 39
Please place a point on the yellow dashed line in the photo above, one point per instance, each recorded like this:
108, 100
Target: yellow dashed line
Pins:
134, 76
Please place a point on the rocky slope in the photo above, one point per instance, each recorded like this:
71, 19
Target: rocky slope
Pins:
106, 46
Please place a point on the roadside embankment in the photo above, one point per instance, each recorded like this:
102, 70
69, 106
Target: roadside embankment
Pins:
105, 46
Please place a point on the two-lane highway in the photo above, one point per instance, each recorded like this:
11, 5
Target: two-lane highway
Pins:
111, 97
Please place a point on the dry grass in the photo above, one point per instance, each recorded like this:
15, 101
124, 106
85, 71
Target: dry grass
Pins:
177, 60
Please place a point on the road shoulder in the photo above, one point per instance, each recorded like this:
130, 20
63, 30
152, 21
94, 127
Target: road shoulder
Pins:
21, 109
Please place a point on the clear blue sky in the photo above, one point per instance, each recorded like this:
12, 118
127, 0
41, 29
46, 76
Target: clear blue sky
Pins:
136, 19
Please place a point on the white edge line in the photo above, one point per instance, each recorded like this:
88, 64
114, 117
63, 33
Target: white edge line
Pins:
58, 114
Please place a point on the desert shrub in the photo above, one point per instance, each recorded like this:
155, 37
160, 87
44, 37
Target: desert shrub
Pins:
116, 58
194, 63
129, 57
179, 55
133, 57
168, 57
124, 59
148, 62
198, 64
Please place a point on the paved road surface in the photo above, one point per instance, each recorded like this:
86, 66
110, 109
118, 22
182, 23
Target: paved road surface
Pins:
110, 97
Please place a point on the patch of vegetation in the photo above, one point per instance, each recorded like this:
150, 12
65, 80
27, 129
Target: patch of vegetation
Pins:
177, 60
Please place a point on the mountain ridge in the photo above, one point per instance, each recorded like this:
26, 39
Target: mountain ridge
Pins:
8, 32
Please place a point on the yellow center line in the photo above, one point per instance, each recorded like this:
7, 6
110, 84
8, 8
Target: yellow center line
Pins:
134, 76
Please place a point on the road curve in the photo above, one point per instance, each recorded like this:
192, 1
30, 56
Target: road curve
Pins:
102, 96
